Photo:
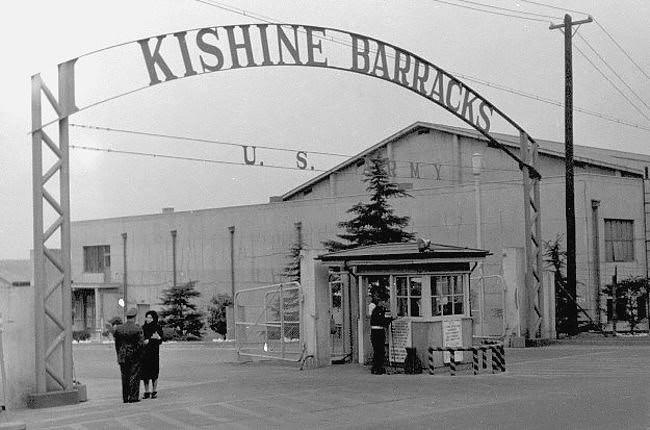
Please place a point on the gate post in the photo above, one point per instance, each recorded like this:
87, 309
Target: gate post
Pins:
52, 294
316, 314
533, 239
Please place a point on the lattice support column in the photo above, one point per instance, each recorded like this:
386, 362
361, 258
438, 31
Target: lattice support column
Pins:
52, 270
533, 243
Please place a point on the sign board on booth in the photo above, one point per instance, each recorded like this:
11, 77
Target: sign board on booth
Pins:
399, 339
452, 336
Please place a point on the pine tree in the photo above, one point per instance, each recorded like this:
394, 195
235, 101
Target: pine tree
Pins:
374, 222
180, 313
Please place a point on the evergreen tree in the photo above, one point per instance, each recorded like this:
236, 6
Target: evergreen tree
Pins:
180, 314
374, 222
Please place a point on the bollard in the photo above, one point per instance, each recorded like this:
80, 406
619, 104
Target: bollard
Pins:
495, 359
484, 350
475, 366
431, 366
503, 358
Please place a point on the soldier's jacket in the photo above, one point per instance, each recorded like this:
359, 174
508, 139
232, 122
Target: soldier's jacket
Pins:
129, 341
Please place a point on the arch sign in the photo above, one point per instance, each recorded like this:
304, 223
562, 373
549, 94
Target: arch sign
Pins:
168, 57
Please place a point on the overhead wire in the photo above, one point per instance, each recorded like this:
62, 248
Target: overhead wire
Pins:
470, 78
272, 166
553, 7
218, 142
490, 12
194, 139
612, 70
621, 48
523, 12
612, 83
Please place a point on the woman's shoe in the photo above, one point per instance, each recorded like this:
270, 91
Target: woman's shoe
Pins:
146, 395
154, 394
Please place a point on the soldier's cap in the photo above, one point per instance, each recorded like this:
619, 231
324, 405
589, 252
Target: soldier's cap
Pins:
131, 312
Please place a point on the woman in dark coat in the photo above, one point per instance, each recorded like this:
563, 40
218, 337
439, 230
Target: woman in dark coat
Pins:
150, 365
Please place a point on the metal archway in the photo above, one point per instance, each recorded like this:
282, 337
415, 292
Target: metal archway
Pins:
204, 50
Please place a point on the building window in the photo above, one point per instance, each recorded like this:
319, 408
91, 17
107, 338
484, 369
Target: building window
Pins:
408, 296
447, 295
97, 258
619, 240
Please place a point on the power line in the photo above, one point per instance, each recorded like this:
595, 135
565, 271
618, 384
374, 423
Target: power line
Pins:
194, 139
178, 157
490, 12
217, 142
621, 48
508, 9
554, 7
500, 87
234, 163
612, 83
612, 70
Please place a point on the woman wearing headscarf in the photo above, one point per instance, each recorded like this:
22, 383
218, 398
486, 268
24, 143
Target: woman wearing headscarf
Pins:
150, 365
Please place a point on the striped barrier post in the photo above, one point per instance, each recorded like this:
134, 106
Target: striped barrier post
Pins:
503, 358
497, 355
484, 350
475, 360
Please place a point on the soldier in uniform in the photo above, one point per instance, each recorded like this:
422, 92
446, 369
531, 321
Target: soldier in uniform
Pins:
128, 345
378, 323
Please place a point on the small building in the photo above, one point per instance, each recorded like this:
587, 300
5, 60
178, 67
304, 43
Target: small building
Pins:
429, 287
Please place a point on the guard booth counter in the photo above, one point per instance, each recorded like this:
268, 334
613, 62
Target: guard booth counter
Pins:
429, 286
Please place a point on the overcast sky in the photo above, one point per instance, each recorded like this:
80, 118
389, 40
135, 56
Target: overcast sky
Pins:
295, 108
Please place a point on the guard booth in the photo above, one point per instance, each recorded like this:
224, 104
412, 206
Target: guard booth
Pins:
429, 287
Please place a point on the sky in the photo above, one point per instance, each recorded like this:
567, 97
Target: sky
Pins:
293, 108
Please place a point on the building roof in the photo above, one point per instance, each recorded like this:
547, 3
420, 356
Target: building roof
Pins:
618, 160
406, 251
12, 271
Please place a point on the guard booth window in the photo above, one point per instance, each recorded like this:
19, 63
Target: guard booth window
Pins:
408, 296
447, 295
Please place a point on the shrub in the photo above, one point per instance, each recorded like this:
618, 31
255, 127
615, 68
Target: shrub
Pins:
217, 320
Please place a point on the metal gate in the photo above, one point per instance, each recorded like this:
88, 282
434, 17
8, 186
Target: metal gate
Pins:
489, 306
268, 321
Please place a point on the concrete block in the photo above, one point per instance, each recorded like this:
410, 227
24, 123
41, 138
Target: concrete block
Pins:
517, 342
83, 393
51, 399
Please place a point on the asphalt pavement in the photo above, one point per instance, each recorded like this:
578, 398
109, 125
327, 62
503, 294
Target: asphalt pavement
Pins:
202, 386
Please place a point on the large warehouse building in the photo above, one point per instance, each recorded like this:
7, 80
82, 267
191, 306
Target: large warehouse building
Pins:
456, 182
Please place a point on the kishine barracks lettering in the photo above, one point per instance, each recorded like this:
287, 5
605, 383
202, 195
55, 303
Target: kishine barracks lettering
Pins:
212, 49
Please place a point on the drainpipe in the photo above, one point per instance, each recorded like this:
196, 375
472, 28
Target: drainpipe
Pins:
231, 229
126, 301
476, 172
595, 226
173, 257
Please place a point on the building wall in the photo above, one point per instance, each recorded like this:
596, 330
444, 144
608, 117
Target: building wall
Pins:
442, 209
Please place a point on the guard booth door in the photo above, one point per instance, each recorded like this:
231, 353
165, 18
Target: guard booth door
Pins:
340, 344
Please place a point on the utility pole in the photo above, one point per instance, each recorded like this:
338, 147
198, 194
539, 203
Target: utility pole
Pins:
568, 162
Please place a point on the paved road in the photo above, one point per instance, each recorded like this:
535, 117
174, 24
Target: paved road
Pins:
556, 387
